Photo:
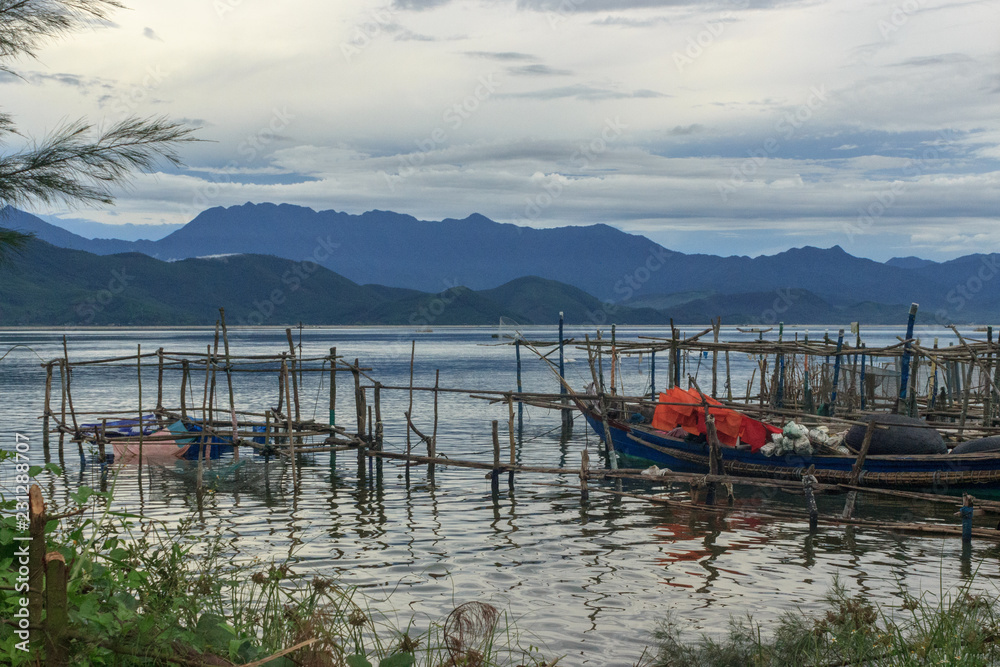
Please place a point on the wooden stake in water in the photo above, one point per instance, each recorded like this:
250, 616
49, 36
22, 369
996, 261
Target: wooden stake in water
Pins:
47, 409
333, 387
520, 403
409, 410
229, 381
859, 465
510, 432
288, 420
495, 475
716, 327
904, 375
184, 382
567, 414
836, 372
295, 382
142, 425
159, 380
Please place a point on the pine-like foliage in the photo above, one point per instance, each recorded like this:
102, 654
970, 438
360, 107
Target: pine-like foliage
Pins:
77, 163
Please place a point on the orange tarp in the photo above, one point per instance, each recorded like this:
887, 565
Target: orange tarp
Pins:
687, 412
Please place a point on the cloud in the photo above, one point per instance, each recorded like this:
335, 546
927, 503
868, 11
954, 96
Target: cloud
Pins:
687, 130
537, 70
582, 92
502, 55
419, 5
936, 61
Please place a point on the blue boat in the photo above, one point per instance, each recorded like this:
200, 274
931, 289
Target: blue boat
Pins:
940, 472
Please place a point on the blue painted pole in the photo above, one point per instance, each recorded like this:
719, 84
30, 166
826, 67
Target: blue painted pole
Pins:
904, 373
836, 372
967, 512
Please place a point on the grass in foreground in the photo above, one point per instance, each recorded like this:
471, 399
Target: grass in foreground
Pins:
143, 593
957, 628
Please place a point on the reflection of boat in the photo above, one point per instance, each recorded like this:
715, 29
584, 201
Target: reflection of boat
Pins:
955, 471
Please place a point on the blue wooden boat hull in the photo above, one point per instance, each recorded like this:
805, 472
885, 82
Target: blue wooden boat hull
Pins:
940, 472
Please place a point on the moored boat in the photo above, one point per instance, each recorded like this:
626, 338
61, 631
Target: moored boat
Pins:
976, 470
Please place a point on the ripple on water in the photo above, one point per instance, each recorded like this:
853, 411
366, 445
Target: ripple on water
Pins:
589, 581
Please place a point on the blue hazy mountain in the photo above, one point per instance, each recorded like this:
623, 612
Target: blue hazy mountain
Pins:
400, 251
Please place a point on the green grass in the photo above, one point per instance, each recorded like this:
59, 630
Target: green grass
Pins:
142, 592
958, 627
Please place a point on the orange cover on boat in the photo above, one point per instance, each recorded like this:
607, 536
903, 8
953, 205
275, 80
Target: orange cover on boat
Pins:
691, 416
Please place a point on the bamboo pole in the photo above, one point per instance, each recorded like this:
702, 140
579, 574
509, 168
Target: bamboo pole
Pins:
56, 614
409, 410
47, 409
966, 396
37, 519
295, 383
229, 379
378, 416
510, 433
359, 401
333, 387
288, 420
495, 474
142, 426
159, 379
432, 443
202, 441
716, 327
859, 465
184, 383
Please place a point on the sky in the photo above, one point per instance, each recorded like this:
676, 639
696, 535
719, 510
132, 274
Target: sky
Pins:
739, 127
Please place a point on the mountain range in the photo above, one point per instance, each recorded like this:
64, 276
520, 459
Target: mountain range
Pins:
381, 267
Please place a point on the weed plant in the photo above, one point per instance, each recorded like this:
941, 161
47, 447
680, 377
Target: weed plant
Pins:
959, 628
141, 592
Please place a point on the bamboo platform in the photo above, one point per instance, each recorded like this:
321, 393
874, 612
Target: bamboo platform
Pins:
815, 382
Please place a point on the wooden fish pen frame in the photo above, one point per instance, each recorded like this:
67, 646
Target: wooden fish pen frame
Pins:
971, 410
285, 433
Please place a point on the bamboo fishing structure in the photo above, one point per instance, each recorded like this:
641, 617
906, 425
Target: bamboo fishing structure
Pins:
833, 381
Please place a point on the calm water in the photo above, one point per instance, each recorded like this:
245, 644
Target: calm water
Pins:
589, 581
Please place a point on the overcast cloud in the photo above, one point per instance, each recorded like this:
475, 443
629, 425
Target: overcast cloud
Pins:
730, 127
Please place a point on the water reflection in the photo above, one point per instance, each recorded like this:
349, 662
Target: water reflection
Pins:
587, 579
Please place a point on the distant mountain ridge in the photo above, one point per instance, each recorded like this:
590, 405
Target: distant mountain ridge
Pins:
400, 251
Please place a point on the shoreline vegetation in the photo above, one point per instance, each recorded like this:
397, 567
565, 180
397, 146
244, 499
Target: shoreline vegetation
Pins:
958, 627
116, 588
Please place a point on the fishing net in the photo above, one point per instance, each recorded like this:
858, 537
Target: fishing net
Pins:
509, 330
